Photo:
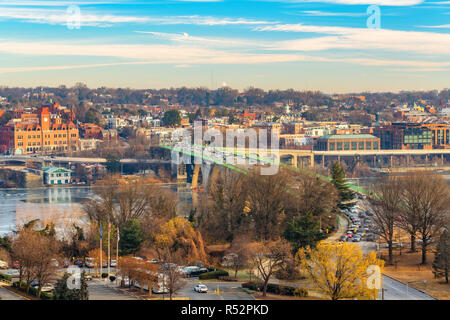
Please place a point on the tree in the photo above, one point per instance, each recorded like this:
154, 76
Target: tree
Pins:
113, 164
386, 206
239, 254
303, 231
338, 180
137, 200
226, 215
45, 264
179, 237
441, 263
24, 251
267, 257
131, 238
172, 277
172, 118
339, 269
315, 196
62, 291
430, 207
266, 203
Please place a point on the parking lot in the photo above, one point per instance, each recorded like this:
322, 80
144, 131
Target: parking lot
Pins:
227, 291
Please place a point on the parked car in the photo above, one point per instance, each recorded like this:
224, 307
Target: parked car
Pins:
356, 238
201, 288
13, 273
3, 265
349, 234
113, 263
343, 238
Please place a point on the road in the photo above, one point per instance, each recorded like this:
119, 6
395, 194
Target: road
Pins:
100, 290
227, 291
8, 295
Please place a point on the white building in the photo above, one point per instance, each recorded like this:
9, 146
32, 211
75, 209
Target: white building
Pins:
57, 176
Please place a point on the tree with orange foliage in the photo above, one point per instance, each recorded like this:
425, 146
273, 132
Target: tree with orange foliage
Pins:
178, 236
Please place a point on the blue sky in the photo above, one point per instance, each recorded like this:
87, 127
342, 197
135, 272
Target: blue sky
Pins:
302, 44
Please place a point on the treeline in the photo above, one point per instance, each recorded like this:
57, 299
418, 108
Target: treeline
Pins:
202, 96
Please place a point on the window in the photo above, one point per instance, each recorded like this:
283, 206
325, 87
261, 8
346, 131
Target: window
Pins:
354, 145
346, 145
331, 146
375, 145
339, 146
368, 145
361, 145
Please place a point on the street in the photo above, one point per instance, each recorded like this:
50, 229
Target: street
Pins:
227, 291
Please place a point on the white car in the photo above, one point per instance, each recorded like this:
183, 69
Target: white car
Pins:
201, 288
113, 263
3, 265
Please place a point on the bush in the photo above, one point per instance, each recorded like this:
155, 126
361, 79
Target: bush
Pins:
104, 275
213, 274
5, 277
300, 292
226, 278
276, 289
46, 296
252, 285
112, 278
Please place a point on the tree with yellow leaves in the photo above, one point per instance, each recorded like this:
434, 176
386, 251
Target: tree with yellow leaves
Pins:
340, 270
179, 237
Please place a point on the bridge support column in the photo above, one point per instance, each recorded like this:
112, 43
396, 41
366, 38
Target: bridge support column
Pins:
311, 160
391, 161
195, 176
323, 161
442, 159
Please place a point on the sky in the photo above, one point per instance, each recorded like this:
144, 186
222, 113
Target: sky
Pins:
335, 46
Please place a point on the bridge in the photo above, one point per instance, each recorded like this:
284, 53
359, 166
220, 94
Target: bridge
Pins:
45, 159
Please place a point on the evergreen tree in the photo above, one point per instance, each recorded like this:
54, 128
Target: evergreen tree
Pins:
441, 263
172, 118
131, 238
112, 164
62, 291
302, 232
338, 180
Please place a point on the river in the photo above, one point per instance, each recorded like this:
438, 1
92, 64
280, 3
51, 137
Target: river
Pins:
60, 205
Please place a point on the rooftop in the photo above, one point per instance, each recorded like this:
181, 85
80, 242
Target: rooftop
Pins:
347, 136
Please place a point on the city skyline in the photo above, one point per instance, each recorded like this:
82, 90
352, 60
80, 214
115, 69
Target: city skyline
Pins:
305, 45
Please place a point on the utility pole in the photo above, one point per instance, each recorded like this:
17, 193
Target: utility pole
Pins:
109, 251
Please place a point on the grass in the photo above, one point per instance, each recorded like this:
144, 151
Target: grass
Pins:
407, 268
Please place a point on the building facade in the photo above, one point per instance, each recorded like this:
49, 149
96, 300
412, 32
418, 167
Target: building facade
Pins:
39, 133
348, 142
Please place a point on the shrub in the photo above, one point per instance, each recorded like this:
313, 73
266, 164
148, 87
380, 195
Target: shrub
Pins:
300, 292
213, 274
276, 289
5, 277
46, 296
252, 285
112, 278
104, 275
226, 278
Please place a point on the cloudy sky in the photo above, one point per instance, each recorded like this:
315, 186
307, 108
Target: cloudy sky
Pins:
302, 44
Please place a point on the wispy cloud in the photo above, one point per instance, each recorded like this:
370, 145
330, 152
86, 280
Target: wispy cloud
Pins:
362, 39
332, 14
364, 2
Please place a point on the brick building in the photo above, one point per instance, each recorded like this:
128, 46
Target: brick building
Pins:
39, 133
348, 142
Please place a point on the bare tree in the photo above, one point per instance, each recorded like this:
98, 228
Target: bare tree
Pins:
46, 262
266, 201
386, 206
239, 254
172, 278
226, 215
136, 200
267, 257
433, 205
